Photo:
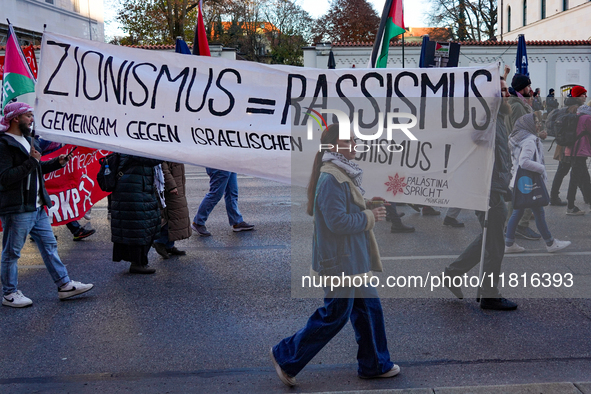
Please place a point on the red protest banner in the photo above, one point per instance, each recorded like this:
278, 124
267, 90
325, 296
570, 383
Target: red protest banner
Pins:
74, 189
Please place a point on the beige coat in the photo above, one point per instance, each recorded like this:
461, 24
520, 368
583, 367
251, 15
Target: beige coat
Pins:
176, 213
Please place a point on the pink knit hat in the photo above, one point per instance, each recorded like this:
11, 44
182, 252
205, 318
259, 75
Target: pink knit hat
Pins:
11, 111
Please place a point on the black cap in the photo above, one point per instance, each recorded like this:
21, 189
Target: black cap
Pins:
520, 82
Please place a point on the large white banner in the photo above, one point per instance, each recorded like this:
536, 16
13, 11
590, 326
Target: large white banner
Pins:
252, 118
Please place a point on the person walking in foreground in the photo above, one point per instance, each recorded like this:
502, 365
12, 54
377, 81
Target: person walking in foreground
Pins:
528, 153
343, 244
221, 183
135, 217
22, 206
176, 224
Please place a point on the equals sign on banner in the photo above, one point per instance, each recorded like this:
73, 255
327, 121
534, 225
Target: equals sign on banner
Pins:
254, 100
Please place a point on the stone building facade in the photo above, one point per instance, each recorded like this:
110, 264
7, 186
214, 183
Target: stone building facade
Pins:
75, 18
552, 64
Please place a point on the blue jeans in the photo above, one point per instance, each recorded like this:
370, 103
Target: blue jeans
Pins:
163, 239
221, 183
16, 228
540, 217
367, 318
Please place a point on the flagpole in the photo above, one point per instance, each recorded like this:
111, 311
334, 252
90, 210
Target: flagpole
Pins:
403, 48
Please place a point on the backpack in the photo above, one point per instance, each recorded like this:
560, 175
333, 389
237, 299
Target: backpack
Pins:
566, 129
551, 121
109, 173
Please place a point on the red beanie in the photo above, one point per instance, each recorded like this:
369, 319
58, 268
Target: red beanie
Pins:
577, 91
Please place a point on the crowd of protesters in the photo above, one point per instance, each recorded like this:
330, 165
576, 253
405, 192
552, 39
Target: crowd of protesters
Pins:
148, 208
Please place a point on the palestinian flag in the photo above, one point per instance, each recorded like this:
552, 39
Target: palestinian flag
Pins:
200, 44
18, 78
391, 25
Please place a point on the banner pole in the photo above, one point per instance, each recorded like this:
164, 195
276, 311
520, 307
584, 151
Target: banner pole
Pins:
482, 252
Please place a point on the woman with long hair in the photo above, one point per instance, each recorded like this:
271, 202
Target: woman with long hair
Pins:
527, 152
344, 246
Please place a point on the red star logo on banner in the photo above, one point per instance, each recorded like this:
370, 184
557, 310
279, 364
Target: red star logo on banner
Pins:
395, 184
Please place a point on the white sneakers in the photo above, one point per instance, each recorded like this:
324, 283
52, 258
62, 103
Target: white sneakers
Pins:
514, 249
16, 300
287, 380
70, 289
73, 288
557, 245
391, 373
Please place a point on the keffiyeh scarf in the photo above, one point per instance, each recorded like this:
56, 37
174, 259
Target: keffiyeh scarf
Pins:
11, 111
351, 168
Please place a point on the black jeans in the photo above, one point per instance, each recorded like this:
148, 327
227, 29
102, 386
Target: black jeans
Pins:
392, 214
494, 251
579, 176
561, 172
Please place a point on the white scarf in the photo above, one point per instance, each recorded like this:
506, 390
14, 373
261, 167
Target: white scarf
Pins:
159, 184
351, 168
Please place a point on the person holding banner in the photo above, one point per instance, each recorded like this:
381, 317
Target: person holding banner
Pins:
344, 246
528, 153
23, 199
135, 217
497, 214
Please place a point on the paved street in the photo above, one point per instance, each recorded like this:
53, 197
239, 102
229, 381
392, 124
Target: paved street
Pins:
205, 322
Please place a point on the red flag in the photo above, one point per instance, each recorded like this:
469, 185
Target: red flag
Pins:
200, 44
29, 53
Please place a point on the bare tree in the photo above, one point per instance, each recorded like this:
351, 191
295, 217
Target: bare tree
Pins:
261, 30
292, 31
470, 20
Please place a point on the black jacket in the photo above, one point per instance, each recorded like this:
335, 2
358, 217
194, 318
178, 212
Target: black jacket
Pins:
16, 165
135, 216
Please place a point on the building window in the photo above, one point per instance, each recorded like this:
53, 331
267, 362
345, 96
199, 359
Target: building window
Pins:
525, 12
49, 1
508, 19
564, 5
77, 6
543, 2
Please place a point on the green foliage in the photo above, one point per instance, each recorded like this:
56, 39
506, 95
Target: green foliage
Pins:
143, 22
272, 31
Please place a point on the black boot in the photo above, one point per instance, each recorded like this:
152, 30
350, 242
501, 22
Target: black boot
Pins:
141, 269
556, 201
401, 228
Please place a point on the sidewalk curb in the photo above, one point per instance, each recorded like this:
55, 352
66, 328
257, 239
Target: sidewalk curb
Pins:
534, 388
